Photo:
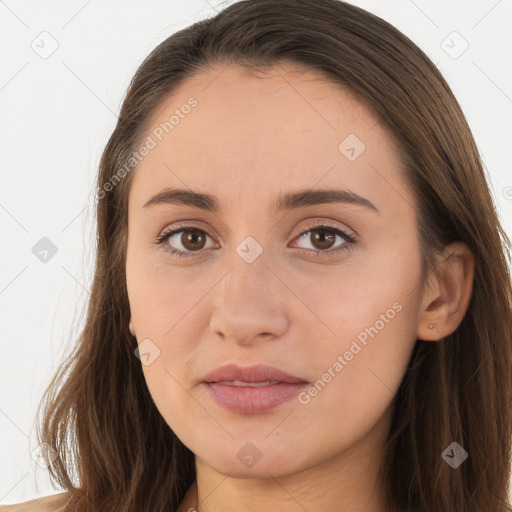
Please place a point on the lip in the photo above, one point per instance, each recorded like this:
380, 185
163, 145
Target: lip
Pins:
255, 373
270, 387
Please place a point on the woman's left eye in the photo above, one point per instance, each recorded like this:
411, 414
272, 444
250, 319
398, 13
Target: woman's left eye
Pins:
324, 236
193, 240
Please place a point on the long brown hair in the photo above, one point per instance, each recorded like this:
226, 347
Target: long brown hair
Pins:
116, 452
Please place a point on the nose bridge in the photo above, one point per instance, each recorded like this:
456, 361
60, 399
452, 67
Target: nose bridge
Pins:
248, 300
248, 275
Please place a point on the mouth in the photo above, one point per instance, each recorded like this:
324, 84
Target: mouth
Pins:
252, 390
256, 374
253, 397
252, 384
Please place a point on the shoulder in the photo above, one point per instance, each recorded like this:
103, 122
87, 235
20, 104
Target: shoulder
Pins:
45, 504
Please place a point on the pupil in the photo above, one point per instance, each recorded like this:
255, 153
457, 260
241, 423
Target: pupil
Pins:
192, 238
325, 241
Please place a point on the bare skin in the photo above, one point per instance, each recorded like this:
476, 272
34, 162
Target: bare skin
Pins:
50, 503
247, 141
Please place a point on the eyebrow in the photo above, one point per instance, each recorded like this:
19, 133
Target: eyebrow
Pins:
289, 201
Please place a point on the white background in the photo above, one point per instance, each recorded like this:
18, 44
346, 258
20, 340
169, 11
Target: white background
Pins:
56, 116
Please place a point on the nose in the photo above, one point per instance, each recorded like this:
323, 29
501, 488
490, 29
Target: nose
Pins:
249, 304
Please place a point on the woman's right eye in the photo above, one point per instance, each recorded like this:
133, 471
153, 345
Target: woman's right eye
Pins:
189, 240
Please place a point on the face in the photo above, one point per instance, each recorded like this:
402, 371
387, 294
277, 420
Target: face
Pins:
322, 287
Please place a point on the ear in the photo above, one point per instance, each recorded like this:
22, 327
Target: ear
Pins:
132, 329
447, 298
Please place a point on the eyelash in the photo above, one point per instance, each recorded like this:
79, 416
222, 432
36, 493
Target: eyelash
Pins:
350, 240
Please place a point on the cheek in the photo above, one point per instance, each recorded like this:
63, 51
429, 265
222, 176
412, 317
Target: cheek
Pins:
367, 297
165, 304
365, 324
162, 296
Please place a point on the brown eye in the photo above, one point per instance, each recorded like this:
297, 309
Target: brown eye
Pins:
193, 239
322, 238
184, 241
190, 241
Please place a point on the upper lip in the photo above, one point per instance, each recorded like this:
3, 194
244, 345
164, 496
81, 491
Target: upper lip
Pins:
256, 373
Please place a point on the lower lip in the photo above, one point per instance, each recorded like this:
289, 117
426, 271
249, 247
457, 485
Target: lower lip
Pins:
252, 399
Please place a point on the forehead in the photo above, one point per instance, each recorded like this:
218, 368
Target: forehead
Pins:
248, 134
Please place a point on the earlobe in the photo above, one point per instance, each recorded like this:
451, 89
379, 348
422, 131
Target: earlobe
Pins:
447, 298
132, 329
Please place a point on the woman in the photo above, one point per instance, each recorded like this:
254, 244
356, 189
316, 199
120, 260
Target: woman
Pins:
301, 298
